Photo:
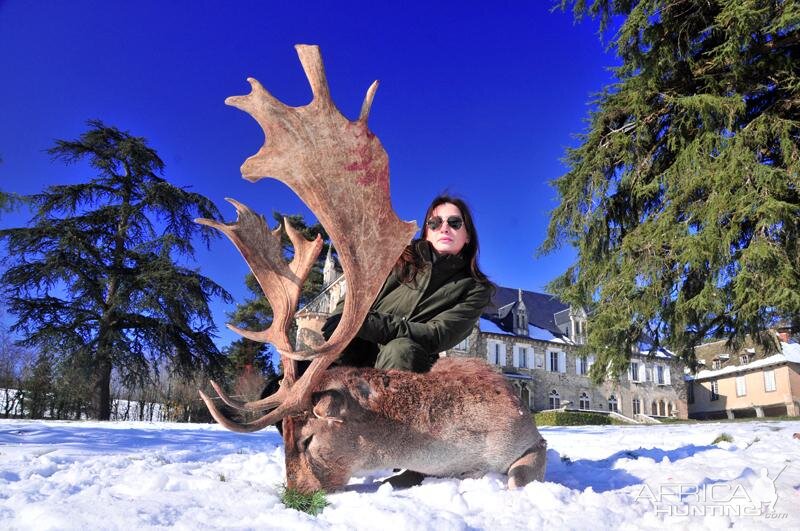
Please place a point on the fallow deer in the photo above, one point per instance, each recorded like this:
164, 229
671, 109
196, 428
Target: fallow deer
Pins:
460, 419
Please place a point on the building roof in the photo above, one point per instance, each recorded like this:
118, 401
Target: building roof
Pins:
540, 308
790, 352
659, 353
534, 332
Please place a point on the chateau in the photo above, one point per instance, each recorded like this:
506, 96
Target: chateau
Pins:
532, 338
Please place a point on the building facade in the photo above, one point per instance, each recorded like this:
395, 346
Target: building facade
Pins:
746, 382
533, 339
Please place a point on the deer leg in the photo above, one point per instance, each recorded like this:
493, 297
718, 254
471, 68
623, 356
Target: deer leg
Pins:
529, 467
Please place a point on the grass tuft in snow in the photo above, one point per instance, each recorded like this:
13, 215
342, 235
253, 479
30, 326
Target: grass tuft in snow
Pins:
723, 437
312, 503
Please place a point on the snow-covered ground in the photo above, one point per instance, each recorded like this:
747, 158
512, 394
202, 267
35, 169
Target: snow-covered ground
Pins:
90, 475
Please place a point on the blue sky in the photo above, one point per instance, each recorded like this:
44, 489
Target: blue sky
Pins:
477, 98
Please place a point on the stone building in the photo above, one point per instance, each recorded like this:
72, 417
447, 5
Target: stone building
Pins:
532, 338
312, 316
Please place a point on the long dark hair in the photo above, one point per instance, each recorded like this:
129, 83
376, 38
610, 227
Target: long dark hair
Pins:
410, 262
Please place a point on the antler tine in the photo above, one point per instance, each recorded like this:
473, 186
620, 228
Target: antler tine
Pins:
292, 403
315, 72
367, 105
248, 406
247, 427
304, 254
259, 101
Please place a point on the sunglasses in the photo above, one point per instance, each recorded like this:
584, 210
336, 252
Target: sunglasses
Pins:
435, 223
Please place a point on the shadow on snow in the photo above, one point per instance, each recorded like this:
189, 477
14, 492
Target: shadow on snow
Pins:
601, 475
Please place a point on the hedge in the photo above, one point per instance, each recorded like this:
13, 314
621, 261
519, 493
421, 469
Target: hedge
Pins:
570, 418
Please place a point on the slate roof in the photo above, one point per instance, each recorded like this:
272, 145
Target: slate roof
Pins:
541, 308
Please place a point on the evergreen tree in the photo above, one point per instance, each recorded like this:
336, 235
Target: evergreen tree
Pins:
95, 275
683, 199
38, 388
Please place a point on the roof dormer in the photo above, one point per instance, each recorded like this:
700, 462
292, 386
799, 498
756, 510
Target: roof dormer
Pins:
520, 316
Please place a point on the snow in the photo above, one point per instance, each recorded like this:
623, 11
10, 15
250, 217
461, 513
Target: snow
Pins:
128, 475
491, 327
534, 332
660, 353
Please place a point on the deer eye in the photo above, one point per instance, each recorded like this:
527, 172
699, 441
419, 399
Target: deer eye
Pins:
303, 444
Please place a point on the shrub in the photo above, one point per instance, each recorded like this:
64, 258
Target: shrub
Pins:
570, 418
312, 503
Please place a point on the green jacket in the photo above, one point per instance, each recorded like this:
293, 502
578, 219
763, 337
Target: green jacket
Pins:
437, 310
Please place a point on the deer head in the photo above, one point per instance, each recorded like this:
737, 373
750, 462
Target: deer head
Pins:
340, 170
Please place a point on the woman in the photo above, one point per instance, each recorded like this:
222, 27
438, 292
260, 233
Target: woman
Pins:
430, 301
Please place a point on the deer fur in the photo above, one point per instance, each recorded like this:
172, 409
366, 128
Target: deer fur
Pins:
461, 419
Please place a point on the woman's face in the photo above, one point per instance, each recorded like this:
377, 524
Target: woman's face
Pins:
445, 239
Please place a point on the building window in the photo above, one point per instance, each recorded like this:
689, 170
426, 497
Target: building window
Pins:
654, 409
741, 386
553, 362
637, 406
662, 406
495, 349
496, 353
582, 365
557, 362
714, 390
769, 381
633, 372
522, 357
744, 359
612, 403
715, 364
464, 345
660, 375
521, 323
690, 392
555, 399
583, 401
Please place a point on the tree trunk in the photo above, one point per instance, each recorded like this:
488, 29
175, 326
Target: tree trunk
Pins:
101, 390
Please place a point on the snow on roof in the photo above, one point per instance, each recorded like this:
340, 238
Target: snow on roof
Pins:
486, 325
660, 353
790, 352
534, 332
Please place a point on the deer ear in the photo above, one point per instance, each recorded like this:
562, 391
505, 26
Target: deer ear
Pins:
328, 404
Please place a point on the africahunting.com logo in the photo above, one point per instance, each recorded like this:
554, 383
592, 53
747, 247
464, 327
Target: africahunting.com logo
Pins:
730, 498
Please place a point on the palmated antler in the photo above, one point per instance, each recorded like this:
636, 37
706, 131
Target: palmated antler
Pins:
340, 170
